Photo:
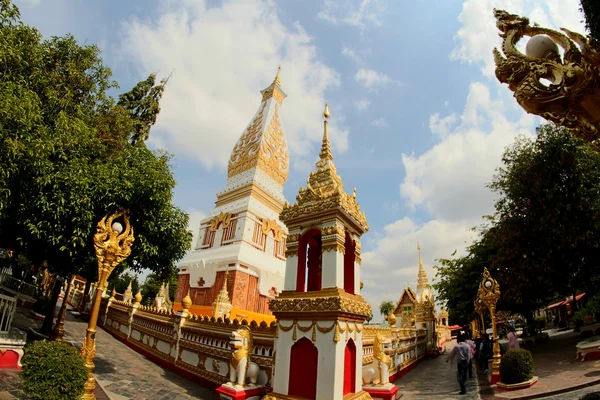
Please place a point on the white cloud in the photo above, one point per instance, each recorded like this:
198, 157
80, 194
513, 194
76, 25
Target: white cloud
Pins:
371, 79
380, 123
362, 104
448, 183
478, 34
351, 54
441, 126
214, 90
358, 14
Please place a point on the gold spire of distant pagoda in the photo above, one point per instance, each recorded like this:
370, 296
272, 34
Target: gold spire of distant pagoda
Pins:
422, 281
325, 187
325, 146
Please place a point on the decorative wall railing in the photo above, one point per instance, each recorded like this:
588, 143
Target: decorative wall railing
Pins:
200, 346
18, 287
8, 307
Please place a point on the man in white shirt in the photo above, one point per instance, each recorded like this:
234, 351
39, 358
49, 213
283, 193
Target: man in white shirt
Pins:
462, 353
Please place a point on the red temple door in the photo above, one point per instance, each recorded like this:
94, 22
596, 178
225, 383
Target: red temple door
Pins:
303, 369
350, 368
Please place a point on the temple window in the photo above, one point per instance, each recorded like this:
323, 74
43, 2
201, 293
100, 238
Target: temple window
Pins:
259, 238
279, 250
229, 232
209, 237
309, 262
349, 258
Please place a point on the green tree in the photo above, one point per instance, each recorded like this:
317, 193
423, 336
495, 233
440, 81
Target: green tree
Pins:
544, 237
120, 282
71, 155
591, 9
386, 308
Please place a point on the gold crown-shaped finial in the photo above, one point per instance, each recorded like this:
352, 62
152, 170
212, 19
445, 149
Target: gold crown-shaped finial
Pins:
186, 302
326, 112
138, 297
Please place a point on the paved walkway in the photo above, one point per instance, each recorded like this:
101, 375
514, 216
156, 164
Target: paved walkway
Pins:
120, 372
436, 380
125, 374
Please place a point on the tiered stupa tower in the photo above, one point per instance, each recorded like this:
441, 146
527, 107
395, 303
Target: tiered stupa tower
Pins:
425, 305
243, 234
320, 313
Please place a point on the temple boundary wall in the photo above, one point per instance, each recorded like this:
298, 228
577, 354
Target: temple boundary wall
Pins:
197, 347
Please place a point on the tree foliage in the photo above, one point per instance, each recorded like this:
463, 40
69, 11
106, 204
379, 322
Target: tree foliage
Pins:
71, 154
386, 308
121, 282
544, 237
591, 9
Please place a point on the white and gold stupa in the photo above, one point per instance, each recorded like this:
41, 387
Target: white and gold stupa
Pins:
243, 234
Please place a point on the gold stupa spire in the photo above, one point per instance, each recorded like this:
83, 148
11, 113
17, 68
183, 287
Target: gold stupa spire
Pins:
277, 80
422, 281
262, 144
324, 185
325, 146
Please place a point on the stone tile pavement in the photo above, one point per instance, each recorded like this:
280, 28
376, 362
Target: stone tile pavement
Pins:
126, 374
557, 370
435, 380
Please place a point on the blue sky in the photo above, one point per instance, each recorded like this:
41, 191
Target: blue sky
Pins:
418, 120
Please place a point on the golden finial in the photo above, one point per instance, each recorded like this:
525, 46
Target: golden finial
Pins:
325, 147
138, 297
113, 293
277, 81
186, 302
418, 246
326, 112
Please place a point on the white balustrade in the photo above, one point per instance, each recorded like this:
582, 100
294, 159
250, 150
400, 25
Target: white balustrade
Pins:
8, 307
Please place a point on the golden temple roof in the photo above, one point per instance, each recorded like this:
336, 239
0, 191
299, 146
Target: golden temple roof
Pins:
263, 143
325, 190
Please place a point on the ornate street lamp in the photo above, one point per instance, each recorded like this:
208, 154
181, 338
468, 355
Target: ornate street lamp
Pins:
112, 243
562, 89
488, 294
480, 309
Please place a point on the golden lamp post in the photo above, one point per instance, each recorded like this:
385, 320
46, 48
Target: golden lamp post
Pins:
488, 294
564, 89
480, 309
112, 243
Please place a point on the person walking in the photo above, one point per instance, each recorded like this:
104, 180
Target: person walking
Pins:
513, 340
485, 353
471, 345
462, 353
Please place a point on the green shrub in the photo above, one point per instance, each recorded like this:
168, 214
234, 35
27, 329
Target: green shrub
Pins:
53, 371
591, 396
516, 366
41, 305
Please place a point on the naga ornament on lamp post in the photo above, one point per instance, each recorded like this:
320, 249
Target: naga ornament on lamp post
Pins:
571, 97
489, 293
112, 243
480, 309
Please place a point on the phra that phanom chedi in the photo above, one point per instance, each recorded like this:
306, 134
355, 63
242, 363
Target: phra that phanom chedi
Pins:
241, 243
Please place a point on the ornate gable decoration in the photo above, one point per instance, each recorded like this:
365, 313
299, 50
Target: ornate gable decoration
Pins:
271, 225
222, 218
325, 190
263, 144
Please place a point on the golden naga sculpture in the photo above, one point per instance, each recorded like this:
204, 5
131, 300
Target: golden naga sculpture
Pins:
241, 368
572, 97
